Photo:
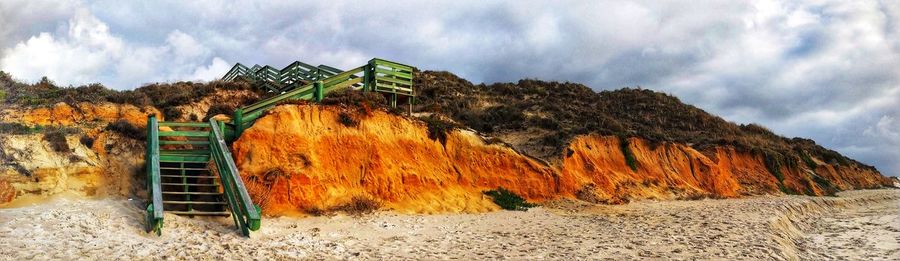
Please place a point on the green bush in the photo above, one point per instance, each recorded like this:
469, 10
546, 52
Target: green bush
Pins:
57, 140
809, 161
508, 200
217, 109
438, 128
87, 141
773, 164
347, 120
629, 155
14, 128
127, 129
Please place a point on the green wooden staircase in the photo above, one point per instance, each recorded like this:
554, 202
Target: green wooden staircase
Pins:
190, 170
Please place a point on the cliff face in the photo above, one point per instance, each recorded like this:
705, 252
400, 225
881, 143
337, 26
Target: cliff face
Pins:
63, 114
302, 157
32, 168
86, 159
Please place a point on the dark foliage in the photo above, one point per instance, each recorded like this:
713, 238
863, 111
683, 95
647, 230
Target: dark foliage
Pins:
160, 95
347, 119
217, 109
438, 128
57, 140
14, 128
128, 130
172, 113
563, 110
87, 141
358, 205
630, 160
508, 200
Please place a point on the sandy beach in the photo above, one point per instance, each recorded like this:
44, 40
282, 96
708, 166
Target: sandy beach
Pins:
862, 225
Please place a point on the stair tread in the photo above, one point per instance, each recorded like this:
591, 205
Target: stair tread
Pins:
190, 193
190, 184
201, 213
177, 168
189, 176
194, 202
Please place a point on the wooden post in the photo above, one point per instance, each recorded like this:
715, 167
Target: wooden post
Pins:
318, 92
238, 121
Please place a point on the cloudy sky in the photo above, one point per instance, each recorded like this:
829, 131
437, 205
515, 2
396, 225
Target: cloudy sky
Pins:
828, 70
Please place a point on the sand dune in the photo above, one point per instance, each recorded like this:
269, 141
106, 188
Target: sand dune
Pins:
856, 225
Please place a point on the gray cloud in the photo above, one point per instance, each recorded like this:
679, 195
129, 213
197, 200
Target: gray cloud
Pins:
828, 70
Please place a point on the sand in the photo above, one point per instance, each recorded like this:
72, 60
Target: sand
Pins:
856, 225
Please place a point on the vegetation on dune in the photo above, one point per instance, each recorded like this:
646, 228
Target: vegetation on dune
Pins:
555, 112
508, 200
128, 130
160, 95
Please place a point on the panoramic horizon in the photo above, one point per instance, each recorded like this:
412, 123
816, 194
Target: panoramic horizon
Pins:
825, 70
435, 130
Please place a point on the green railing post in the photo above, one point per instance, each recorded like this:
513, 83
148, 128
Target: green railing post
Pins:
319, 92
369, 76
238, 121
154, 188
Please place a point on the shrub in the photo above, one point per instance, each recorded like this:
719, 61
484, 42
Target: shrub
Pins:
87, 141
508, 200
172, 113
347, 120
14, 128
359, 205
809, 161
438, 128
773, 164
127, 129
57, 140
217, 109
630, 160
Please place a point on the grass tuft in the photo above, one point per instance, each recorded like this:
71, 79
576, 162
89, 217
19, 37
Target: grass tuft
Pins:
508, 200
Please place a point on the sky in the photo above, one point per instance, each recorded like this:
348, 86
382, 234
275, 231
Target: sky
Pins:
826, 70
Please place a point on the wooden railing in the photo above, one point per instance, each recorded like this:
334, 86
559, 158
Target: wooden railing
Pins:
154, 188
246, 215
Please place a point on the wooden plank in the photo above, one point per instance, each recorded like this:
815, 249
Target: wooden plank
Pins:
184, 124
184, 152
276, 99
188, 159
392, 87
397, 81
404, 75
183, 133
343, 84
379, 61
183, 142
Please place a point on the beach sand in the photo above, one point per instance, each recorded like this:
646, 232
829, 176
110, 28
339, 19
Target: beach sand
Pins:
861, 225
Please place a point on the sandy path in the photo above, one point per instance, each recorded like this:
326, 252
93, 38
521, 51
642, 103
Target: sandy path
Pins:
859, 224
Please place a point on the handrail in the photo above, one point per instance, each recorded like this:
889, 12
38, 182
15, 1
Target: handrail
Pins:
378, 75
245, 214
154, 188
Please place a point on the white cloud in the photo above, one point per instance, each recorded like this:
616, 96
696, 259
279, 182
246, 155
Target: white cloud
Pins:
86, 52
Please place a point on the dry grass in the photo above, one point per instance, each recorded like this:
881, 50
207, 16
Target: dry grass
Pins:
358, 205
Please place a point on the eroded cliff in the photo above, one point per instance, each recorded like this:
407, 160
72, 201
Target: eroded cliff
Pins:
305, 157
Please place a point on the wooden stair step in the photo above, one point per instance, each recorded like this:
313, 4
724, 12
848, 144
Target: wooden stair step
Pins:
190, 193
193, 202
201, 213
189, 184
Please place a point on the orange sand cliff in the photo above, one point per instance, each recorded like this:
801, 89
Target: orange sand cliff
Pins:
68, 115
300, 157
